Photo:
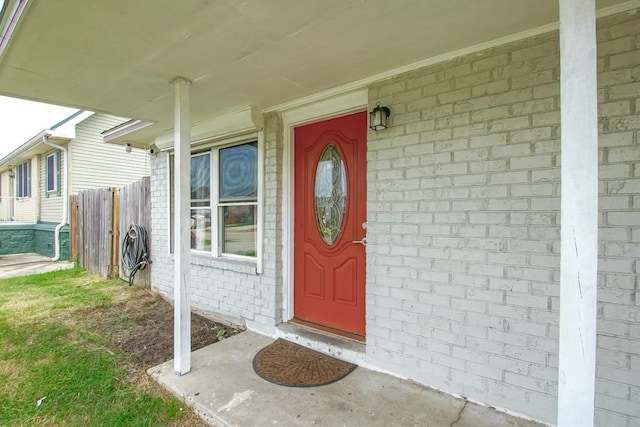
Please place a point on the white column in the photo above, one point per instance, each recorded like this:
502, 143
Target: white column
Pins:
182, 229
579, 213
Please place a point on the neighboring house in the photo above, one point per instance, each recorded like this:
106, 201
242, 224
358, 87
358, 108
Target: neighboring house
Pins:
36, 177
458, 282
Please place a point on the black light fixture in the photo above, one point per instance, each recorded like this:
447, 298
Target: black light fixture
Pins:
11, 173
378, 117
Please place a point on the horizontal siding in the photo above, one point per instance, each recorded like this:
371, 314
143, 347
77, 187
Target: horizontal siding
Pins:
4, 184
50, 207
5, 193
95, 164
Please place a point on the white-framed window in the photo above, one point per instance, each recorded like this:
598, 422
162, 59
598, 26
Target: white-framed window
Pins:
52, 172
201, 233
238, 199
23, 179
224, 201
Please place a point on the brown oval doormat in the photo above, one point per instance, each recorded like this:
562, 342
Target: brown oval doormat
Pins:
289, 364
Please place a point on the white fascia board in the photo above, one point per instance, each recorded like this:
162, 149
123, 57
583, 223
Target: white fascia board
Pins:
67, 130
18, 155
242, 122
29, 149
64, 132
116, 134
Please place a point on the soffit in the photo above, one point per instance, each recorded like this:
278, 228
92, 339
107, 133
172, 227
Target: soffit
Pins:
118, 56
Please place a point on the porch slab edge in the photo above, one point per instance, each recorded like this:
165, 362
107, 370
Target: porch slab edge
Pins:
224, 390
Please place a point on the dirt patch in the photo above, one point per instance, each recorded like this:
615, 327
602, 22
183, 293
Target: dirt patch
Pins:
142, 327
139, 324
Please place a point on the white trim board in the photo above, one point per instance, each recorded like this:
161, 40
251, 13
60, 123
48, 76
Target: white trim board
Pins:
316, 110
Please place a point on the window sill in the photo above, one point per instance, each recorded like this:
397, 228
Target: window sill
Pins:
222, 263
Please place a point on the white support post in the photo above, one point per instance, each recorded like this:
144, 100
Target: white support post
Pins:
579, 213
182, 229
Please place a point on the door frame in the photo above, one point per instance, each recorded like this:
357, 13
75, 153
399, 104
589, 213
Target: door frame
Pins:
336, 106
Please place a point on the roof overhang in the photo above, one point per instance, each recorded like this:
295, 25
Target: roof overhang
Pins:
119, 56
62, 132
236, 124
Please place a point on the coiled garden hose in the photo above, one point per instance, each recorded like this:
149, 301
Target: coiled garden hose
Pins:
134, 250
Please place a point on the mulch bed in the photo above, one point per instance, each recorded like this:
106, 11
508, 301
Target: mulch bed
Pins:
142, 327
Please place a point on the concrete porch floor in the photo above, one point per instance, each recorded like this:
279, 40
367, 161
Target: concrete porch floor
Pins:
16, 265
225, 391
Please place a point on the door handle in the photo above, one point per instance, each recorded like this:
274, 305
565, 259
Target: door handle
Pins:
363, 242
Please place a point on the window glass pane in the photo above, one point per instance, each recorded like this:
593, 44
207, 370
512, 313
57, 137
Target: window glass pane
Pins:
51, 173
237, 185
200, 180
23, 180
201, 229
27, 179
239, 230
19, 178
238, 172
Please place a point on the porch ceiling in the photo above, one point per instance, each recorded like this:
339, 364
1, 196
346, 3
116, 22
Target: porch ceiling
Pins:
118, 56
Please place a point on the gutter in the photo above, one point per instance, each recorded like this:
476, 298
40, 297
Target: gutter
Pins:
17, 153
65, 191
64, 130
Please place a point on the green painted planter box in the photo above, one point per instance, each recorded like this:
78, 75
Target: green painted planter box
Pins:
33, 238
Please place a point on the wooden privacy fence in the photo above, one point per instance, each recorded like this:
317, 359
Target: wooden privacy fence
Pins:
135, 207
100, 222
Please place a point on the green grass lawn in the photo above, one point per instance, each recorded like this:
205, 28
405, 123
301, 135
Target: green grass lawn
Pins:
57, 369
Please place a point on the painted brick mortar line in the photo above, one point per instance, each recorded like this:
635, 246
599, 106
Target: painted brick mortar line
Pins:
534, 102
463, 268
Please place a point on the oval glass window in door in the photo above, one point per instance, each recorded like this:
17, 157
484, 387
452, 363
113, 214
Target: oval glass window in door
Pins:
330, 194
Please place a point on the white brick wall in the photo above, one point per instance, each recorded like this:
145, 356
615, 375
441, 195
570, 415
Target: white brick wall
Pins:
225, 288
468, 174
463, 210
618, 348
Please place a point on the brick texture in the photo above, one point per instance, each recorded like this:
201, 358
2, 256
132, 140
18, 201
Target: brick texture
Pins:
464, 228
224, 288
480, 199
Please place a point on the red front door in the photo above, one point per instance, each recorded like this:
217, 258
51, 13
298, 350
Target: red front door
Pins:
330, 214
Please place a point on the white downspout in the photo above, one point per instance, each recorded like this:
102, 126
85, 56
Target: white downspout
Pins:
65, 190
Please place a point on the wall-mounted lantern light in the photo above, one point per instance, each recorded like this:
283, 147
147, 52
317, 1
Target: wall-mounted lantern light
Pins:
11, 173
378, 117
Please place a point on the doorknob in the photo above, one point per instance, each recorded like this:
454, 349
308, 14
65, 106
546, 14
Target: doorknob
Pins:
363, 242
